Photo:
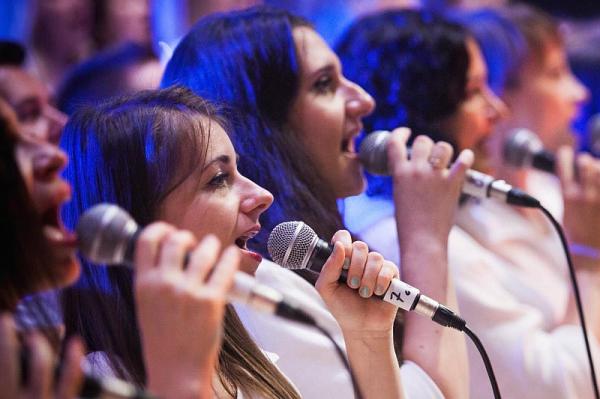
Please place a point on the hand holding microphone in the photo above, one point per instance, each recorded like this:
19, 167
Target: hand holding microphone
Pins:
296, 246
375, 156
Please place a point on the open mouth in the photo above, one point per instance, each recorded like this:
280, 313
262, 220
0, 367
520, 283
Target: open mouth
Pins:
54, 230
348, 145
242, 242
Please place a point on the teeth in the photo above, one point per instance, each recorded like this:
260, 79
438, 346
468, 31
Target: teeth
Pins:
53, 233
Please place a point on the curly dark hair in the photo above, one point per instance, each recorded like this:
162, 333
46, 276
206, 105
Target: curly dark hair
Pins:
414, 63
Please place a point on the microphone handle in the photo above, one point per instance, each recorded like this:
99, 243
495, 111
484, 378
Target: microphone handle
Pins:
399, 294
544, 160
245, 291
91, 387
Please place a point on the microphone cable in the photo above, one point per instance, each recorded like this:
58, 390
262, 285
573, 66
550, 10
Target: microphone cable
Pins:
486, 361
578, 303
309, 320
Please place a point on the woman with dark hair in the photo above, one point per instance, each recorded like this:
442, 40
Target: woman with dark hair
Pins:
507, 263
294, 121
165, 155
39, 254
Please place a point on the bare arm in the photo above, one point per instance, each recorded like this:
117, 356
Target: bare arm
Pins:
425, 197
366, 323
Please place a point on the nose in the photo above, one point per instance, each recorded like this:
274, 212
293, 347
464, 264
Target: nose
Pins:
48, 161
359, 102
56, 121
580, 93
255, 199
496, 108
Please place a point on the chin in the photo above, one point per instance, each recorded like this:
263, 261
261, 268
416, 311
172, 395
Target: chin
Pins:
355, 187
66, 272
248, 266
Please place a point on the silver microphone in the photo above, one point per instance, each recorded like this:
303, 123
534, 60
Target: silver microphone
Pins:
373, 156
107, 234
294, 245
523, 148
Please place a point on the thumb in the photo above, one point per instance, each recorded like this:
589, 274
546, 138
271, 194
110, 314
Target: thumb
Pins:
332, 269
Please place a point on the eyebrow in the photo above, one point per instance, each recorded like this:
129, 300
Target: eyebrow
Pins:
220, 159
327, 68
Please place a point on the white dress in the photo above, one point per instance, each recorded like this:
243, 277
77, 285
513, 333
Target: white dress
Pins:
512, 286
306, 356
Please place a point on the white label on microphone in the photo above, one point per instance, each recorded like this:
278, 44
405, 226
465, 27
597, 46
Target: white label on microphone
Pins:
401, 294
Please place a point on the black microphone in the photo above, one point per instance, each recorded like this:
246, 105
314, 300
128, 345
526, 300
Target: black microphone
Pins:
295, 246
91, 387
523, 148
373, 156
593, 134
107, 234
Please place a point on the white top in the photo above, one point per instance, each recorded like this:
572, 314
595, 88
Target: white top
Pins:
512, 285
306, 356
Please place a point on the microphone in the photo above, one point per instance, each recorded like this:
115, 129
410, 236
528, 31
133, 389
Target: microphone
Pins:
296, 246
373, 156
108, 234
523, 148
593, 133
91, 387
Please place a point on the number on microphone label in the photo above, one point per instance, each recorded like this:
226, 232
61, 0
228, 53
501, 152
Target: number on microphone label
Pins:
401, 295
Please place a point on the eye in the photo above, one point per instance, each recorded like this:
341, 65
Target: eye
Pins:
219, 180
474, 91
29, 113
324, 84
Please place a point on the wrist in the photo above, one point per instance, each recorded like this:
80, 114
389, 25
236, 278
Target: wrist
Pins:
180, 386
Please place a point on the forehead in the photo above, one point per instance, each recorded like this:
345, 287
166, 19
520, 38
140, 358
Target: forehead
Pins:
313, 52
477, 66
15, 82
219, 142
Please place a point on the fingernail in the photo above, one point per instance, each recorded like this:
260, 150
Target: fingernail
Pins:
379, 290
354, 282
365, 292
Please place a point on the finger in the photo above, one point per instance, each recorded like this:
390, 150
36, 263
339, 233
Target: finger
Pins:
370, 273
585, 169
175, 248
71, 376
41, 366
396, 148
463, 162
332, 269
566, 172
224, 271
388, 271
358, 260
148, 244
420, 151
203, 258
441, 154
344, 237
9, 358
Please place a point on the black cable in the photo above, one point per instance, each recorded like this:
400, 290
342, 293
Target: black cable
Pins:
486, 361
342, 355
578, 304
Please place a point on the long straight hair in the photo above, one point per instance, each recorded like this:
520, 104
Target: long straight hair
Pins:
133, 152
248, 61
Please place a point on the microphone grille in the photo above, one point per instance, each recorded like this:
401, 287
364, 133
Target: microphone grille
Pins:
104, 232
373, 152
290, 244
593, 132
520, 146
